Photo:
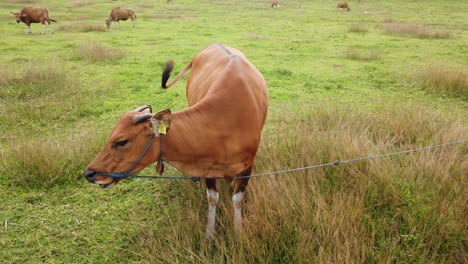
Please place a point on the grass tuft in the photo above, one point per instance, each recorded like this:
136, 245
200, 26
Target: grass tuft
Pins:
33, 81
389, 20
255, 36
146, 5
95, 52
169, 16
26, 1
87, 27
357, 28
440, 80
47, 162
368, 55
414, 30
79, 3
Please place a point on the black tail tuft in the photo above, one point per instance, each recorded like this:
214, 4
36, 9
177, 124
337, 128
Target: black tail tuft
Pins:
167, 73
53, 20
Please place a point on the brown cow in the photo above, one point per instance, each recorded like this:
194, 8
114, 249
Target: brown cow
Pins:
121, 13
30, 15
217, 136
343, 5
274, 3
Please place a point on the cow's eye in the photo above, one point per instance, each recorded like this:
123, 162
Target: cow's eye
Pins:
121, 143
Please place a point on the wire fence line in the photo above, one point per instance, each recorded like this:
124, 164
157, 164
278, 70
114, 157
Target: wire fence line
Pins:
334, 163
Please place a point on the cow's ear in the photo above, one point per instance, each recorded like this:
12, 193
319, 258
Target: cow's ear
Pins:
161, 122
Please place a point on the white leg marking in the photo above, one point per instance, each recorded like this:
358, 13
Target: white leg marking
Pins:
236, 201
29, 29
43, 29
213, 197
133, 23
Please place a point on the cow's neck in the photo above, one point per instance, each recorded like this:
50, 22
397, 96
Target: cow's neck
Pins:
185, 147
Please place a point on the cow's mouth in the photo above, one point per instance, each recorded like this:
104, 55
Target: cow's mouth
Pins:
108, 185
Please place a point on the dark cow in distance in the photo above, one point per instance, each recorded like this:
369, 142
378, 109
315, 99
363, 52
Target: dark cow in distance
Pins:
343, 5
274, 3
121, 13
217, 136
29, 15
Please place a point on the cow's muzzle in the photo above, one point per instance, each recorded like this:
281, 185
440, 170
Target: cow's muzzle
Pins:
90, 175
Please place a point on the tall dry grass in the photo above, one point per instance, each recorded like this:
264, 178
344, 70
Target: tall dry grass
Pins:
26, 1
80, 3
45, 161
35, 79
414, 30
388, 20
357, 28
409, 208
95, 52
439, 79
80, 27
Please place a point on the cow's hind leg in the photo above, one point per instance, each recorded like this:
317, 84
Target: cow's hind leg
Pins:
51, 26
43, 22
213, 197
238, 196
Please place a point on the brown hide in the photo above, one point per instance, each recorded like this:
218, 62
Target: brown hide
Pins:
228, 104
274, 3
120, 13
216, 136
343, 5
30, 15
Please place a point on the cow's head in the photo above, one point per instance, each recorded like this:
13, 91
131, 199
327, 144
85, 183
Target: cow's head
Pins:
108, 22
19, 16
126, 143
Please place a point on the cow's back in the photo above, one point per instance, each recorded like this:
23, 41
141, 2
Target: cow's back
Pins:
122, 13
217, 64
232, 95
35, 13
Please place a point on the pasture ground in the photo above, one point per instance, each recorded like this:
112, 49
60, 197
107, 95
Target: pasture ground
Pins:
387, 76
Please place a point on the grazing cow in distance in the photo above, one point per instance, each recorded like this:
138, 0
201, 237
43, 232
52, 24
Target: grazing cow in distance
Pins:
274, 3
343, 5
217, 136
29, 15
121, 13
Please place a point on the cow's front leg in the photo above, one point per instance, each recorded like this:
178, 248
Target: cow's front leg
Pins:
213, 197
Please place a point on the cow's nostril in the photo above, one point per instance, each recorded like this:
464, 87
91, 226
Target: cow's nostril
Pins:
90, 175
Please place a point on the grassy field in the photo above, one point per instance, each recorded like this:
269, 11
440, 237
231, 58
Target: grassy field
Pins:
387, 76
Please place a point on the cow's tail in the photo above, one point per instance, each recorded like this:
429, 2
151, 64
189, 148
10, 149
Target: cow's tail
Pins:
47, 15
167, 73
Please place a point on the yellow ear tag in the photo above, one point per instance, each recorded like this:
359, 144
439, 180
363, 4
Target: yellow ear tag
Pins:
162, 128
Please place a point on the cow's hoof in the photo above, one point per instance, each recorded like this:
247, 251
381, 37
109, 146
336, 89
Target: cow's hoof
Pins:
210, 236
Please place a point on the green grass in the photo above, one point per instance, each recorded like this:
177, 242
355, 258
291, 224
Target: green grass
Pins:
339, 88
